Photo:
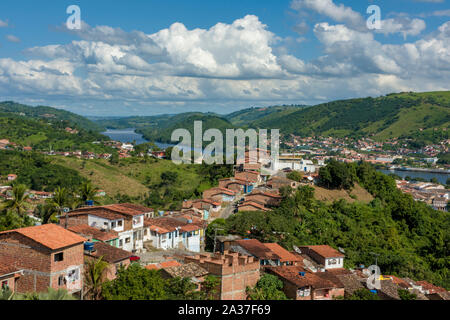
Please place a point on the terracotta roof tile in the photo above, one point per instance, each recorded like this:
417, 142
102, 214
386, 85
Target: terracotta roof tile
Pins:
325, 251
285, 255
90, 232
49, 235
109, 253
188, 270
320, 280
257, 249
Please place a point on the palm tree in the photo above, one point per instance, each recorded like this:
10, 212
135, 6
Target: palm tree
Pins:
19, 199
88, 192
45, 212
95, 275
59, 200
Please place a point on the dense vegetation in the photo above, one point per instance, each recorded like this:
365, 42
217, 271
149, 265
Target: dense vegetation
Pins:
395, 115
37, 171
412, 239
138, 283
50, 114
47, 135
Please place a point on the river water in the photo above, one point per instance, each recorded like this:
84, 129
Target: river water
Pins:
441, 177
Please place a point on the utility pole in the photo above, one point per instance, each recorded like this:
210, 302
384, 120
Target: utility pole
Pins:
215, 238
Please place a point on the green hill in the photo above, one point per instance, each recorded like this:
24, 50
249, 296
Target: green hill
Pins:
49, 114
246, 116
163, 131
43, 135
420, 116
395, 115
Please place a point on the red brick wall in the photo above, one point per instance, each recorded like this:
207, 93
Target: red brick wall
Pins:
236, 273
73, 221
30, 255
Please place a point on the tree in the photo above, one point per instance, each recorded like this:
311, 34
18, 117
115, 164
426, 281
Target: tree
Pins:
210, 287
182, 289
337, 175
406, 295
295, 175
169, 178
88, 192
46, 213
269, 287
363, 294
135, 283
95, 276
17, 203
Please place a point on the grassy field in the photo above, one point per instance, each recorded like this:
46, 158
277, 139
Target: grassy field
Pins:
104, 176
357, 194
133, 176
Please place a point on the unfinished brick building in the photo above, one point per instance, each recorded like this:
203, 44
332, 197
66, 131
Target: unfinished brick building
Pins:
47, 255
236, 272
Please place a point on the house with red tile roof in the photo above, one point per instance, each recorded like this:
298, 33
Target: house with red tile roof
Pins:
248, 176
219, 194
115, 257
267, 253
96, 235
170, 232
249, 205
300, 284
126, 219
264, 198
49, 255
326, 256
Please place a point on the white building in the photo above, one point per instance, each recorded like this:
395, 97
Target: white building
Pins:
296, 164
125, 219
173, 233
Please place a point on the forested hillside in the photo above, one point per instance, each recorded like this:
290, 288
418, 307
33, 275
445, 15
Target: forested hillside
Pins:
49, 114
43, 135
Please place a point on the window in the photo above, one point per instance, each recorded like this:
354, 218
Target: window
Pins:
119, 223
105, 224
113, 225
170, 235
145, 232
61, 281
120, 242
59, 257
128, 240
73, 275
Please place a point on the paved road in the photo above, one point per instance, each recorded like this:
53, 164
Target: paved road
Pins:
228, 211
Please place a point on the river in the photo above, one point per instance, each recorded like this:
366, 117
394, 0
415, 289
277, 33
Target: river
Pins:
129, 136
441, 177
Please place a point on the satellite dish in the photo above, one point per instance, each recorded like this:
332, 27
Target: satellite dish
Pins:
341, 250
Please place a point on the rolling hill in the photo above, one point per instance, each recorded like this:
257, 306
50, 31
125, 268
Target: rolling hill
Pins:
49, 114
395, 115
421, 116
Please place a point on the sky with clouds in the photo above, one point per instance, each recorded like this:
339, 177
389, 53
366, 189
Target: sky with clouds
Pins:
154, 57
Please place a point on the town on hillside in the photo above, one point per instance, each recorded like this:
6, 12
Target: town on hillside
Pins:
57, 253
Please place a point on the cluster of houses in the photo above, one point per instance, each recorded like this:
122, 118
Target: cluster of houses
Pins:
35, 258
435, 195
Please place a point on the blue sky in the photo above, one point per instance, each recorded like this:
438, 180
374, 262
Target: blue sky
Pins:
153, 57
